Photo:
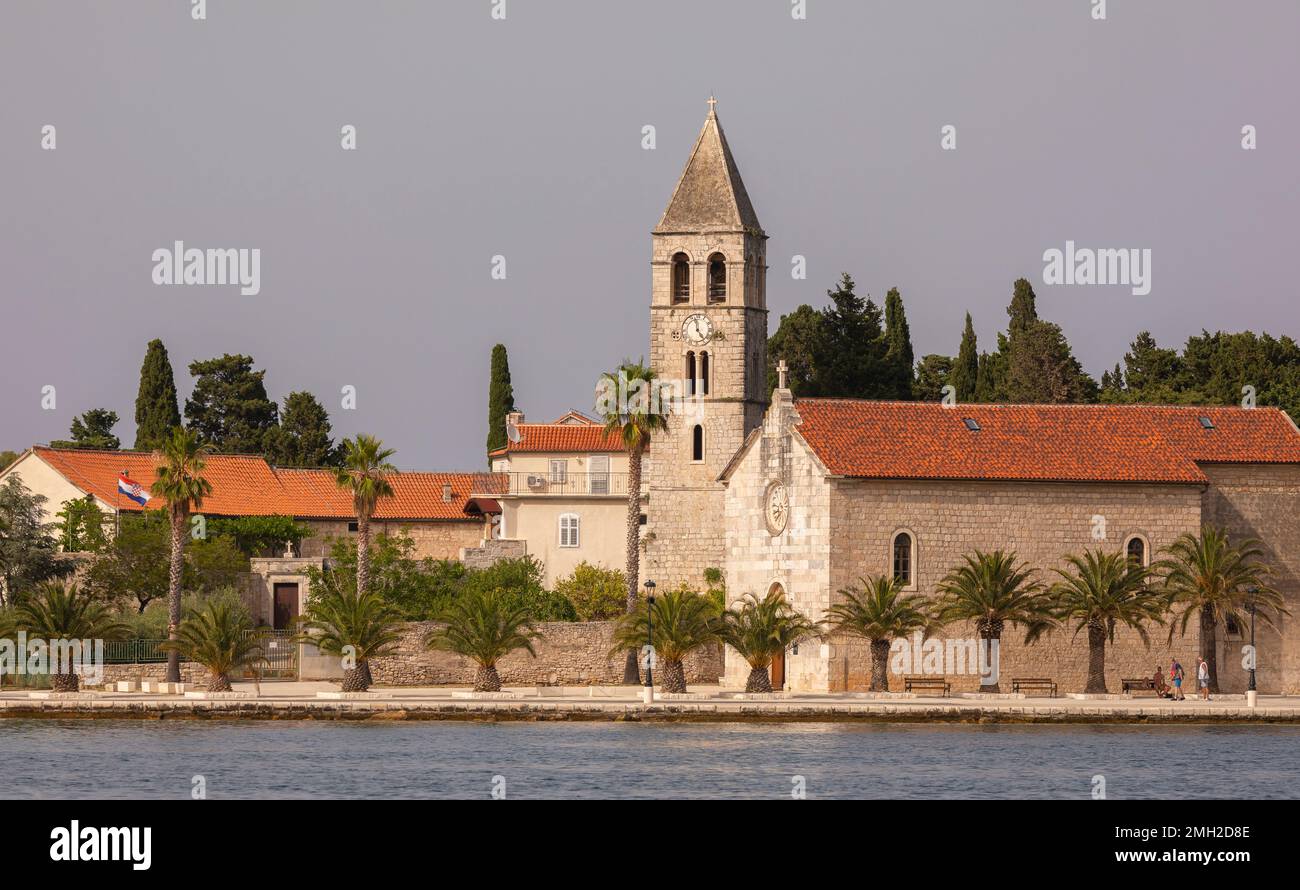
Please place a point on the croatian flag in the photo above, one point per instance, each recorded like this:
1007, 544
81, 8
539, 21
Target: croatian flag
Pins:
132, 489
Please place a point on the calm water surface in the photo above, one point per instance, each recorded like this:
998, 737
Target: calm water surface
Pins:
251, 759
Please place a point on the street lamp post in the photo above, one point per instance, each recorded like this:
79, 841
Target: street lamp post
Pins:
1251, 693
648, 696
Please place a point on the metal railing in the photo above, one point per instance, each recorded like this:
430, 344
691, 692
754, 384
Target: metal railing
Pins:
570, 484
277, 645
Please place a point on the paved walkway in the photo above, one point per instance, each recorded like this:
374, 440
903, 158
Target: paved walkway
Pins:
281, 700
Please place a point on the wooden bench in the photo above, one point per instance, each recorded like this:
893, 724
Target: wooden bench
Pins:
1134, 684
1041, 684
940, 684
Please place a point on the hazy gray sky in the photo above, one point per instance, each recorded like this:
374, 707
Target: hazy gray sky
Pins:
522, 137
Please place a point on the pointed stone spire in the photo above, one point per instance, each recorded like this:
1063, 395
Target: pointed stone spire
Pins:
710, 195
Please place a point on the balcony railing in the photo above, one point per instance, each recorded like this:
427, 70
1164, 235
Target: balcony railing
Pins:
567, 484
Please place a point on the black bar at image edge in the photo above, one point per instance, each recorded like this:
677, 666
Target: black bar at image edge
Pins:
185, 836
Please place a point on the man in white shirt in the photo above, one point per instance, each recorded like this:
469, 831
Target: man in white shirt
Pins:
1203, 677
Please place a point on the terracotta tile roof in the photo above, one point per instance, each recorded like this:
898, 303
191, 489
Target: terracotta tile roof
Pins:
589, 438
1101, 443
244, 485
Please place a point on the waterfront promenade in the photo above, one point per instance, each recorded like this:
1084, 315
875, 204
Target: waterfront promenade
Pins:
321, 700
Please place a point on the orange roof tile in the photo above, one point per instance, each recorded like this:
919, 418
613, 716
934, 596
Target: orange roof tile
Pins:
590, 438
246, 485
1093, 443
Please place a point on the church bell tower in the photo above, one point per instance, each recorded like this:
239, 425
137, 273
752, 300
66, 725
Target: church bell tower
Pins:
708, 333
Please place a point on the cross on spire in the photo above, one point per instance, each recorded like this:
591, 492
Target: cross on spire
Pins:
781, 370
713, 105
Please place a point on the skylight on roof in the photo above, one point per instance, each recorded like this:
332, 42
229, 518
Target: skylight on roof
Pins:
1207, 423
971, 424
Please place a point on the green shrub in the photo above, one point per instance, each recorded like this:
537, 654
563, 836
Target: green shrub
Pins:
597, 593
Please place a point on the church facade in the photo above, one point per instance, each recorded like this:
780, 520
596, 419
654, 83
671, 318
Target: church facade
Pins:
812, 495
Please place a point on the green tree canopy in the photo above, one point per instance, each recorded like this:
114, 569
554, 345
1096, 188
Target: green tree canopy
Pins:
933, 373
501, 398
303, 438
29, 551
229, 409
795, 341
155, 403
965, 371
94, 429
899, 356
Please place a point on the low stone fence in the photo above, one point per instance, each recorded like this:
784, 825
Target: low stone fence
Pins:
154, 670
569, 654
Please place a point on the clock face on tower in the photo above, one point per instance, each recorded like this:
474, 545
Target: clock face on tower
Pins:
777, 508
697, 330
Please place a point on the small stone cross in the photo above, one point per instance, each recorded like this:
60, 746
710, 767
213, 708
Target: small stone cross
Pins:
712, 105
781, 370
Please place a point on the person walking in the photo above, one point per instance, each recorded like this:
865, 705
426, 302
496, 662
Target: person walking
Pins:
1176, 675
1203, 677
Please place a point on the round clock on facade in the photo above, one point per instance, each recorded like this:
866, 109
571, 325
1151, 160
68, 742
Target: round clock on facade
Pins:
697, 329
777, 508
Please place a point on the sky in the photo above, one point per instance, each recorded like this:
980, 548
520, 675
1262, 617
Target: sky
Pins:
522, 137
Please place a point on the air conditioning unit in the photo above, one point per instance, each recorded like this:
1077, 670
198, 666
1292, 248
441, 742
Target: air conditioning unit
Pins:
536, 481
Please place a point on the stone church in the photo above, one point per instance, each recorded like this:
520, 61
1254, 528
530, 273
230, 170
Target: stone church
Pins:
810, 495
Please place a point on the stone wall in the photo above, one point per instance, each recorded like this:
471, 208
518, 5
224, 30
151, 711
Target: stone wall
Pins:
191, 672
569, 654
1263, 502
437, 540
490, 550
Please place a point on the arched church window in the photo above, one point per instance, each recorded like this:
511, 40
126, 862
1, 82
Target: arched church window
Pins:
697, 443
1137, 550
690, 373
704, 373
681, 278
717, 278
903, 568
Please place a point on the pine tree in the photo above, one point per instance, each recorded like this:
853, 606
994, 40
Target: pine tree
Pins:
229, 409
965, 372
850, 355
1022, 311
899, 357
501, 399
303, 438
156, 411
94, 429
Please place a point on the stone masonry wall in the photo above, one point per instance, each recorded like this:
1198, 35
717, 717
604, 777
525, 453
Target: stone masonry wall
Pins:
437, 540
1041, 522
569, 654
1263, 502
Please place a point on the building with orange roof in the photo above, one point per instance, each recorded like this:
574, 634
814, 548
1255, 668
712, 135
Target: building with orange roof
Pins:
564, 497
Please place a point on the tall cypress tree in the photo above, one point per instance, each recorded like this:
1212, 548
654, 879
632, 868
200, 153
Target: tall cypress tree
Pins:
501, 399
156, 409
899, 357
965, 374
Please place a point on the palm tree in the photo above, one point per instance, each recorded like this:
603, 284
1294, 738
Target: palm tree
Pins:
993, 590
364, 472
180, 484
356, 626
486, 626
683, 622
634, 423
1212, 578
220, 636
877, 610
761, 629
1105, 590
60, 611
